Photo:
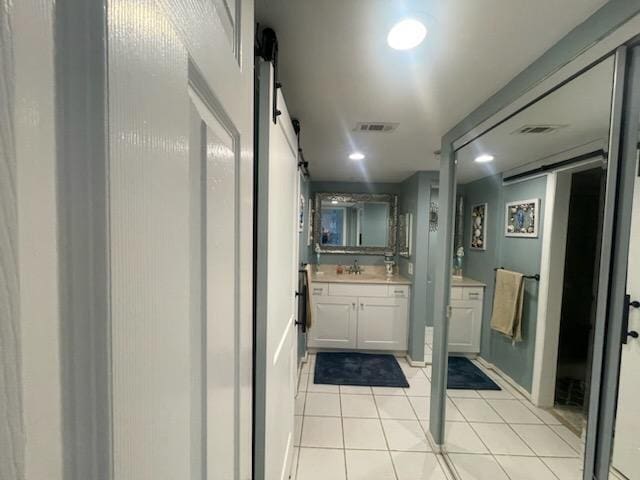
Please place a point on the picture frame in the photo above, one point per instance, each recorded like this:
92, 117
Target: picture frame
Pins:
301, 214
310, 223
433, 217
478, 230
522, 218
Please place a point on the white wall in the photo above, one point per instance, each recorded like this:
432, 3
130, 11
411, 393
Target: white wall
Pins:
11, 428
31, 364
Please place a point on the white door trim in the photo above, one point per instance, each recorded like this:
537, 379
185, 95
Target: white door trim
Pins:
554, 241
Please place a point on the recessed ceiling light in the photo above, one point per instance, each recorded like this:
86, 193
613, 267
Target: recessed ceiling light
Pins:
484, 158
356, 156
406, 34
335, 202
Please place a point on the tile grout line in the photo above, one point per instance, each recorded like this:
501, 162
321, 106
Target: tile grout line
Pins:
525, 402
386, 440
494, 456
441, 457
344, 443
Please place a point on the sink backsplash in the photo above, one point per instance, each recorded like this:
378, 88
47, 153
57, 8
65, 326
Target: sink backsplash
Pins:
366, 269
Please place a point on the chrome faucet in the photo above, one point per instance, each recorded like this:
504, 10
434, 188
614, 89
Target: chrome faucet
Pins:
355, 268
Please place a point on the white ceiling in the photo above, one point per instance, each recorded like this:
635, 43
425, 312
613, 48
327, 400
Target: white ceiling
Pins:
582, 106
337, 70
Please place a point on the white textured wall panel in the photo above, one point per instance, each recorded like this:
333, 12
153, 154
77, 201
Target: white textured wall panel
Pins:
31, 226
11, 428
155, 48
149, 190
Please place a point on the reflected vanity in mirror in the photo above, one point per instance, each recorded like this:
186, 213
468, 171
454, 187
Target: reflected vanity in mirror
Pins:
355, 223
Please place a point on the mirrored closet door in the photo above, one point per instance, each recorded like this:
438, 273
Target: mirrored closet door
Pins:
527, 272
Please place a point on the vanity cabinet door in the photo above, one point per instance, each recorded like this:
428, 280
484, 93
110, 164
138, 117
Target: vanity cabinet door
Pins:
464, 326
382, 323
334, 322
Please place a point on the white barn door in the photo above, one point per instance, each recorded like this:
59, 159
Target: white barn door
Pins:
276, 362
181, 223
626, 446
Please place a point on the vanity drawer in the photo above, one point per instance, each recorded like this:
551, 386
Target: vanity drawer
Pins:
400, 291
456, 293
473, 293
318, 289
357, 290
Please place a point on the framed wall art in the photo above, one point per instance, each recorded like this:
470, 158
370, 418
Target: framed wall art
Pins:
522, 218
479, 227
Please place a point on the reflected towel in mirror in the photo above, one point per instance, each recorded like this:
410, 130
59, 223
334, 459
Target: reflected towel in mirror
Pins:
507, 304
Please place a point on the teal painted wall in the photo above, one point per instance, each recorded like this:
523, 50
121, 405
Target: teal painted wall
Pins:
375, 222
408, 203
414, 197
518, 254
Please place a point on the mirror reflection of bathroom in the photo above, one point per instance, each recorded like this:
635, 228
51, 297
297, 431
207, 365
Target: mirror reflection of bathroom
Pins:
354, 221
526, 260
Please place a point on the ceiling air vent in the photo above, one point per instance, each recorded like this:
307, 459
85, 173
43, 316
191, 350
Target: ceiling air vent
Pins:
375, 127
537, 129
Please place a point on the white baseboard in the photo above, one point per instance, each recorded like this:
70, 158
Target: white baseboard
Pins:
415, 363
512, 383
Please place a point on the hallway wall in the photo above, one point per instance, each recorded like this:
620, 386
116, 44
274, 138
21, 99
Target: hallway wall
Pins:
31, 407
414, 198
518, 254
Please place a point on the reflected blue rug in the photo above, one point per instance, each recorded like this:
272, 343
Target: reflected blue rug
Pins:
360, 369
464, 375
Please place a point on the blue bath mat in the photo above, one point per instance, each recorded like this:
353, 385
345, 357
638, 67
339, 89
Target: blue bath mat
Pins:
360, 369
464, 375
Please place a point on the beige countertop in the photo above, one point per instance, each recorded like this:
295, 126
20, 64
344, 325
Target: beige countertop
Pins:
466, 282
371, 278
377, 275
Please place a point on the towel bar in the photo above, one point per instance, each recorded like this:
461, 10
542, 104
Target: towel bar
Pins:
535, 277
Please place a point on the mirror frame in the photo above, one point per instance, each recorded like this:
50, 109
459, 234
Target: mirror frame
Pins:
392, 226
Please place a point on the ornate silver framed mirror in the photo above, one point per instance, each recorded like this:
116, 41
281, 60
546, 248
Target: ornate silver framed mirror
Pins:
355, 223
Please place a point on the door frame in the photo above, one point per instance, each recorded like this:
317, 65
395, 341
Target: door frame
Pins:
603, 33
551, 281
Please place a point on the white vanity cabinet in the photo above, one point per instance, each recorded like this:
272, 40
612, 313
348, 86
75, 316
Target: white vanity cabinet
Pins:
465, 321
335, 322
382, 323
359, 316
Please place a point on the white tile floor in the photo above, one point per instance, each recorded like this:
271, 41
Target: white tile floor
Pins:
354, 433
349, 433
500, 435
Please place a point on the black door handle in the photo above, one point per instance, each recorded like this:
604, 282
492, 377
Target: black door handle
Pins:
625, 319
